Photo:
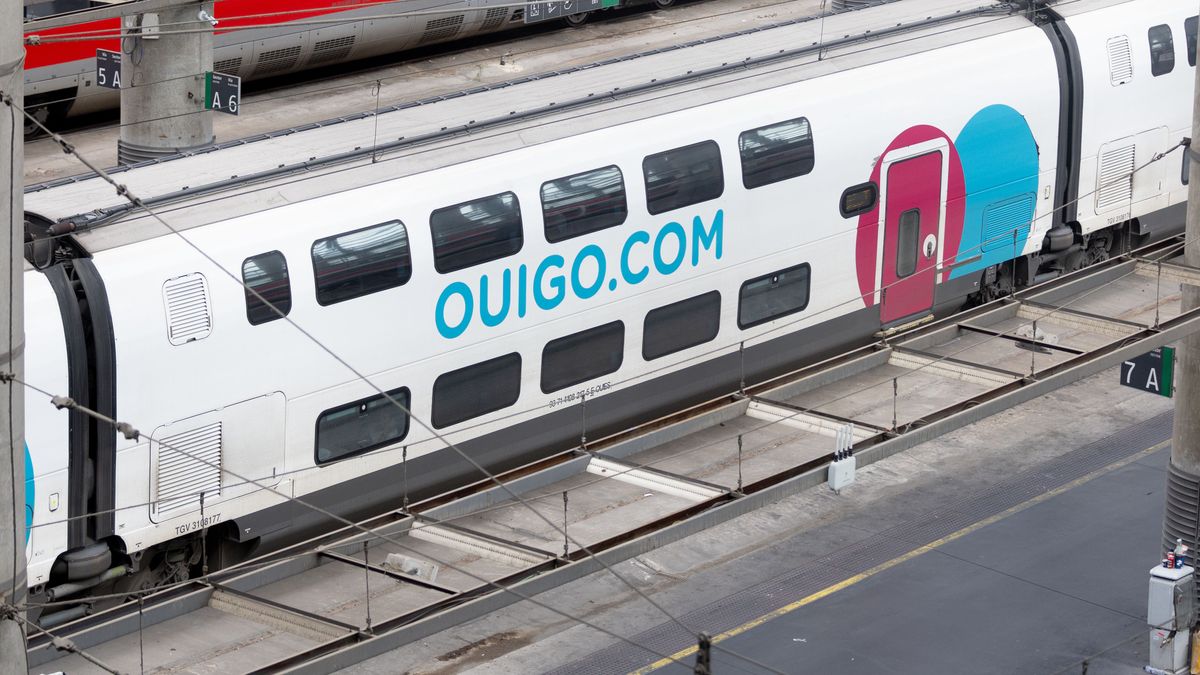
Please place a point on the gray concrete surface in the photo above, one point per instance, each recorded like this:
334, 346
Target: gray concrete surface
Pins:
760, 546
1038, 592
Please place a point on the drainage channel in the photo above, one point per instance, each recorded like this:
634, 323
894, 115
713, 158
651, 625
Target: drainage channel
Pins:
348, 596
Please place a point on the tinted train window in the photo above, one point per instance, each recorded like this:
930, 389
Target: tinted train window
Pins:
583, 203
680, 325
267, 274
462, 394
773, 295
1189, 29
475, 232
360, 262
582, 356
776, 152
361, 426
683, 176
907, 242
858, 199
1162, 50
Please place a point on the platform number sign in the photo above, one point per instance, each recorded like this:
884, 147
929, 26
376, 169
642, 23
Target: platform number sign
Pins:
223, 93
108, 69
1153, 372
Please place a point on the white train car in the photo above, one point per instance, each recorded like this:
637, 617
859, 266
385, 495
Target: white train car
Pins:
569, 272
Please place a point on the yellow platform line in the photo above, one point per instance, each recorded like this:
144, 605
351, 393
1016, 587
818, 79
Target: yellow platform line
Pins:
884, 566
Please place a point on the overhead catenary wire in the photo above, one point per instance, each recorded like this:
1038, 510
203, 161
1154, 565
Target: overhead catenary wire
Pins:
17, 552
123, 191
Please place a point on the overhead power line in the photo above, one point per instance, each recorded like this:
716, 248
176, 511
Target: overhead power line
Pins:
133, 199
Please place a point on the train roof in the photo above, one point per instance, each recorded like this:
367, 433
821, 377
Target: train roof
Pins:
294, 165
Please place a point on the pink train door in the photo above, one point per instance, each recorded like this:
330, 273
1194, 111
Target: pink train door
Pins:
913, 201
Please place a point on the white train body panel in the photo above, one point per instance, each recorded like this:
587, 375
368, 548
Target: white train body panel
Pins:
1143, 112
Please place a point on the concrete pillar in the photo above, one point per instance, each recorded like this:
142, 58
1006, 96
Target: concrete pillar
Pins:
162, 78
12, 411
1182, 520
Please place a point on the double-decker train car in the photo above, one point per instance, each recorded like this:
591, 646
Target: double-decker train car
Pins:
574, 255
257, 39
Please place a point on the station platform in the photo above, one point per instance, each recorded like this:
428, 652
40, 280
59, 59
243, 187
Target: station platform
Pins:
1018, 544
1040, 587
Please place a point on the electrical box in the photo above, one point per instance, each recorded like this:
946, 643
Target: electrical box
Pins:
841, 472
1170, 612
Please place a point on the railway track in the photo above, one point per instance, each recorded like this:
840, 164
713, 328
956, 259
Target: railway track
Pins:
353, 594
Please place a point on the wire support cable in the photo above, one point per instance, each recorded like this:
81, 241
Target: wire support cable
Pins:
64, 644
123, 191
808, 317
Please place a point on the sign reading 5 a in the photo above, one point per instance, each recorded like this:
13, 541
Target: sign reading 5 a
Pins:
1153, 372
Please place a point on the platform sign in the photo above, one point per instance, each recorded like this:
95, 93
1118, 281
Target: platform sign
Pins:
108, 69
222, 93
547, 11
1153, 372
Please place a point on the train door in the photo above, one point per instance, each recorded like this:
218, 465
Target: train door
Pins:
914, 213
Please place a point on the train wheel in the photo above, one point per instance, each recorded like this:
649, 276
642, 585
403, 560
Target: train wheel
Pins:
577, 20
41, 114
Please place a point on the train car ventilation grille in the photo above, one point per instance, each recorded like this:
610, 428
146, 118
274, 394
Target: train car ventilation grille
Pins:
228, 66
1116, 177
442, 29
189, 309
1006, 223
494, 18
336, 49
187, 465
1120, 60
277, 60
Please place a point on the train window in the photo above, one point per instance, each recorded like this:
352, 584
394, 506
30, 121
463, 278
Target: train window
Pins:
361, 262
776, 152
907, 242
462, 394
475, 232
858, 199
361, 426
680, 325
1189, 30
583, 203
773, 295
267, 275
1162, 50
683, 176
582, 356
